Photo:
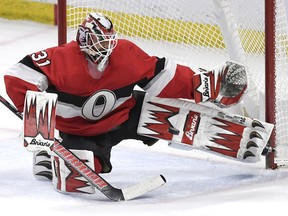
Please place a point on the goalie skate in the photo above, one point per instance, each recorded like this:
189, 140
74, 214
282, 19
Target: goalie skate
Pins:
188, 125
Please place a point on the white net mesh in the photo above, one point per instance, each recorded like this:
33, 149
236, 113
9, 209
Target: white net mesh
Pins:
281, 84
203, 34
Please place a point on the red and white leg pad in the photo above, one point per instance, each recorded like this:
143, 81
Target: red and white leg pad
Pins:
185, 124
68, 180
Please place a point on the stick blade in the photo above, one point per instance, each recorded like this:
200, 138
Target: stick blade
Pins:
143, 187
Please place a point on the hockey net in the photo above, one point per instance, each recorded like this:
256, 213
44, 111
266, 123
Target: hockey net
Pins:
204, 34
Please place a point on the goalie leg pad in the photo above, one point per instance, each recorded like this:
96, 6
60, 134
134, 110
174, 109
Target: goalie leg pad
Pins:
189, 125
68, 180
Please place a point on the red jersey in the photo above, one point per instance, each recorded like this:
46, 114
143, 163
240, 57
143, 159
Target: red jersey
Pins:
88, 106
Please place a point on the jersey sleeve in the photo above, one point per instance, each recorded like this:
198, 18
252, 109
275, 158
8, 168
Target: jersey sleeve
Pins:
170, 80
160, 77
23, 76
181, 84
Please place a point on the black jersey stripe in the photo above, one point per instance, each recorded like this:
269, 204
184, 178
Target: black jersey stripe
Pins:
160, 65
29, 63
80, 100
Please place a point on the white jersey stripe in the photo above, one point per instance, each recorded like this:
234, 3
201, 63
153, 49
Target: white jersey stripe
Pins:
29, 75
66, 110
159, 82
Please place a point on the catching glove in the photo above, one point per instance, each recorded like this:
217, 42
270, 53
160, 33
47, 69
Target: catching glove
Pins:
225, 85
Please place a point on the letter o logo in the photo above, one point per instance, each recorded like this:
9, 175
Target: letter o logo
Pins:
93, 110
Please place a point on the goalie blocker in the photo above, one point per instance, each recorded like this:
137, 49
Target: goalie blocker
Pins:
187, 125
39, 121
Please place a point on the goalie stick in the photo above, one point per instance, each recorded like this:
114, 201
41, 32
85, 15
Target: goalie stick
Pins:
96, 180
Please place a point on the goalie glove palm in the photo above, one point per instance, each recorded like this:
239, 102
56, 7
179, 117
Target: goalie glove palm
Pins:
225, 85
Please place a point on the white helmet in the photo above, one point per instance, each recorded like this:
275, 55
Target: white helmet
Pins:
97, 38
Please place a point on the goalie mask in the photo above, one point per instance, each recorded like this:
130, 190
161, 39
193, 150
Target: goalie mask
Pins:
97, 39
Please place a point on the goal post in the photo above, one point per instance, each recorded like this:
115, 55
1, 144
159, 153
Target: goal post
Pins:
204, 34
270, 22
61, 20
276, 64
